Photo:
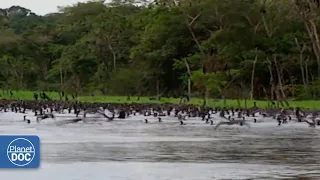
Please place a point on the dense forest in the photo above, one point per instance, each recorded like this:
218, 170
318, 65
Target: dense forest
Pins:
255, 49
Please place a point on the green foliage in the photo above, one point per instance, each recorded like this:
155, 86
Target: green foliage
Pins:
122, 48
213, 81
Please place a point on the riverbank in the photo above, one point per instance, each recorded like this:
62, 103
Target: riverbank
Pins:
28, 95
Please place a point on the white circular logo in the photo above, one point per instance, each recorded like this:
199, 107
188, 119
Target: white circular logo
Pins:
21, 152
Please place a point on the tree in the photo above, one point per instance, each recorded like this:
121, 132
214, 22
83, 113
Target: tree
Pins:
262, 49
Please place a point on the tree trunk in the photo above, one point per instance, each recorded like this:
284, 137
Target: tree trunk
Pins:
313, 34
303, 73
204, 99
61, 77
189, 77
279, 76
306, 16
304, 76
307, 71
189, 26
252, 77
114, 57
271, 79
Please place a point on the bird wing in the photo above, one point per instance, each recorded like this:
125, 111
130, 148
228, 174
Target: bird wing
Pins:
103, 114
221, 122
69, 121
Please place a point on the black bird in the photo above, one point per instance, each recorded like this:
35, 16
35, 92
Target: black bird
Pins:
44, 116
25, 119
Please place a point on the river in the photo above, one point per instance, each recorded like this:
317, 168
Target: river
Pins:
132, 150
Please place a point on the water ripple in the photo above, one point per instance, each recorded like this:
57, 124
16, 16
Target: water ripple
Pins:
276, 152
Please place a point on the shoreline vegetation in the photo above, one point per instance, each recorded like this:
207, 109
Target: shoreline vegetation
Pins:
226, 53
29, 95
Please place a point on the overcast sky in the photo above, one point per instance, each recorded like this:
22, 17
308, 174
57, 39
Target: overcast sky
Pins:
40, 7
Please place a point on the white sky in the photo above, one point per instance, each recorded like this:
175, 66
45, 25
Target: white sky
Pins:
40, 7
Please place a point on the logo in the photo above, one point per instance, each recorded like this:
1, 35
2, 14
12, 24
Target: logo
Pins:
19, 151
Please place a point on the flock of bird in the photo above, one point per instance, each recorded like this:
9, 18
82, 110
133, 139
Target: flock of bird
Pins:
181, 114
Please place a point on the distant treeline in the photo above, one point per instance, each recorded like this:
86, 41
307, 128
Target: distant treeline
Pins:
258, 49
